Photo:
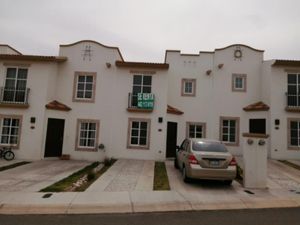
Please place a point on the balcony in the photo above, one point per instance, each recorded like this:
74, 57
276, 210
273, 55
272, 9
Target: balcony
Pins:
293, 102
11, 97
140, 102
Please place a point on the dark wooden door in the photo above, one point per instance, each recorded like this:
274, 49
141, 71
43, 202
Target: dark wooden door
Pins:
171, 139
54, 137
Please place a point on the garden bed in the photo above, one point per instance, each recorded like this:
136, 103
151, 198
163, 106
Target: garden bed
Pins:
82, 179
161, 181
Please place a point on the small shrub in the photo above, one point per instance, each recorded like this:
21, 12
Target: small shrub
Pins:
107, 162
91, 176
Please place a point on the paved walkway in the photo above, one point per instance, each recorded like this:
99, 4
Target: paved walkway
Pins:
126, 175
113, 194
37, 175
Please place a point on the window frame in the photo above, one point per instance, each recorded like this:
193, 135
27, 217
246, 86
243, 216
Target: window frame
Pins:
290, 146
142, 147
78, 129
183, 83
244, 82
20, 118
188, 124
134, 95
237, 130
75, 86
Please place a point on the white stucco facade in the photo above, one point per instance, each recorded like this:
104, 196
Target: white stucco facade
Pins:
213, 98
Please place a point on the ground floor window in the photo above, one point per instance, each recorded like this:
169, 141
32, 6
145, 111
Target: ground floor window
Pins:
229, 130
10, 127
87, 134
139, 133
294, 133
195, 130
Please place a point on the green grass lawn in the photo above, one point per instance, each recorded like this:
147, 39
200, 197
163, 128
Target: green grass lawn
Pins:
161, 181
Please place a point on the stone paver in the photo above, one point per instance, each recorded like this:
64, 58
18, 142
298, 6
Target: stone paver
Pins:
126, 175
37, 175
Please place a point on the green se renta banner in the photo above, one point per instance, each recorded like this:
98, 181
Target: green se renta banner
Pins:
145, 100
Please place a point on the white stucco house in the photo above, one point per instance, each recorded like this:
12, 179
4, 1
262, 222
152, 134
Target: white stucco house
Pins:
89, 102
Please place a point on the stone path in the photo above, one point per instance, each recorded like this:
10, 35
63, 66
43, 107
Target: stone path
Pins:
126, 175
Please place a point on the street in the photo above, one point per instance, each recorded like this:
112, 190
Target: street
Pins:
280, 216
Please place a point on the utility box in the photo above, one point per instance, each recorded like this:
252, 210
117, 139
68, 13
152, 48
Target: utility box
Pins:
255, 152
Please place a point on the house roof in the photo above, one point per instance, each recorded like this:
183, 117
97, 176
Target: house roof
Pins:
285, 62
56, 105
173, 110
242, 45
41, 58
258, 106
163, 66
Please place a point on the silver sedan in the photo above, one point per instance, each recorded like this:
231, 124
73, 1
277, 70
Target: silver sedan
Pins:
205, 159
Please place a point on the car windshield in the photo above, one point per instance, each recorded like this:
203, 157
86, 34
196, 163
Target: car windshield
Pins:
209, 147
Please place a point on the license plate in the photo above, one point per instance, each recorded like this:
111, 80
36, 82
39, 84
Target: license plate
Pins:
214, 163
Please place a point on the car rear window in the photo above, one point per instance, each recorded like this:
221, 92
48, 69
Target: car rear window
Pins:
209, 147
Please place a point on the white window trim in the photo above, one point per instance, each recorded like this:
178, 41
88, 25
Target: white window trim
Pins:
87, 148
15, 146
203, 125
183, 85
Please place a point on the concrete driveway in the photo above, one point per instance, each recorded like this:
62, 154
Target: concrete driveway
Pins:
37, 175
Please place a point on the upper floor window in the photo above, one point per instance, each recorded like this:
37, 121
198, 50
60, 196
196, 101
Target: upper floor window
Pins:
10, 130
141, 84
239, 82
229, 130
293, 90
85, 86
188, 87
15, 85
195, 130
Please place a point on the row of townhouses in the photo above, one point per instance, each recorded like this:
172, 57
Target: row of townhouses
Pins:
89, 100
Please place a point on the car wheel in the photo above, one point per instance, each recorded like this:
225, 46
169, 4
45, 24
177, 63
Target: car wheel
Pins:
227, 182
176, 163
185, 178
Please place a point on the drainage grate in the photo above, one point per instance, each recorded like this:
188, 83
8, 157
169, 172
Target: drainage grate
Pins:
249, 192
47, 195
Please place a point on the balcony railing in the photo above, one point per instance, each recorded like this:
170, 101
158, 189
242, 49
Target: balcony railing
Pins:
140, 101
14, 96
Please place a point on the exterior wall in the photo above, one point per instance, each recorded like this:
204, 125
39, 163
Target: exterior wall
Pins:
213, 99
214, 95
32, 141
279, 143
111, 101
5, 49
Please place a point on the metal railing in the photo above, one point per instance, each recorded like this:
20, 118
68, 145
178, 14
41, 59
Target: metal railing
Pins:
133, 101
292, 99
14, 96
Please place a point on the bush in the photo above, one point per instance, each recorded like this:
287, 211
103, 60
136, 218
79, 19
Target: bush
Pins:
91, 176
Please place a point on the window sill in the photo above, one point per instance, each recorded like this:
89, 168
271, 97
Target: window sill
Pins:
231, 144
255, 135
138, 110
13, 105
86, 149
138, 147
292, 109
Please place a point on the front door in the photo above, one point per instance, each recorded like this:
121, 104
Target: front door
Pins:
54, 137
171, 139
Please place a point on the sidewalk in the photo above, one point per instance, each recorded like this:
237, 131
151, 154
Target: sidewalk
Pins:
109, 195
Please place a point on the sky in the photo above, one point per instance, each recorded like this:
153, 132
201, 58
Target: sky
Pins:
144, 29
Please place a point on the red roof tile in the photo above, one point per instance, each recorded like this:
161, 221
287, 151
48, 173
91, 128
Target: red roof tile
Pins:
258, 106
173, 110
56, 105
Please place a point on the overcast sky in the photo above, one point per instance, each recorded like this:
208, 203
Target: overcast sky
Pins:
143, 30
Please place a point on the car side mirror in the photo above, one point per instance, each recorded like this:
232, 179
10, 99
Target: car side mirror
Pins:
177, 148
